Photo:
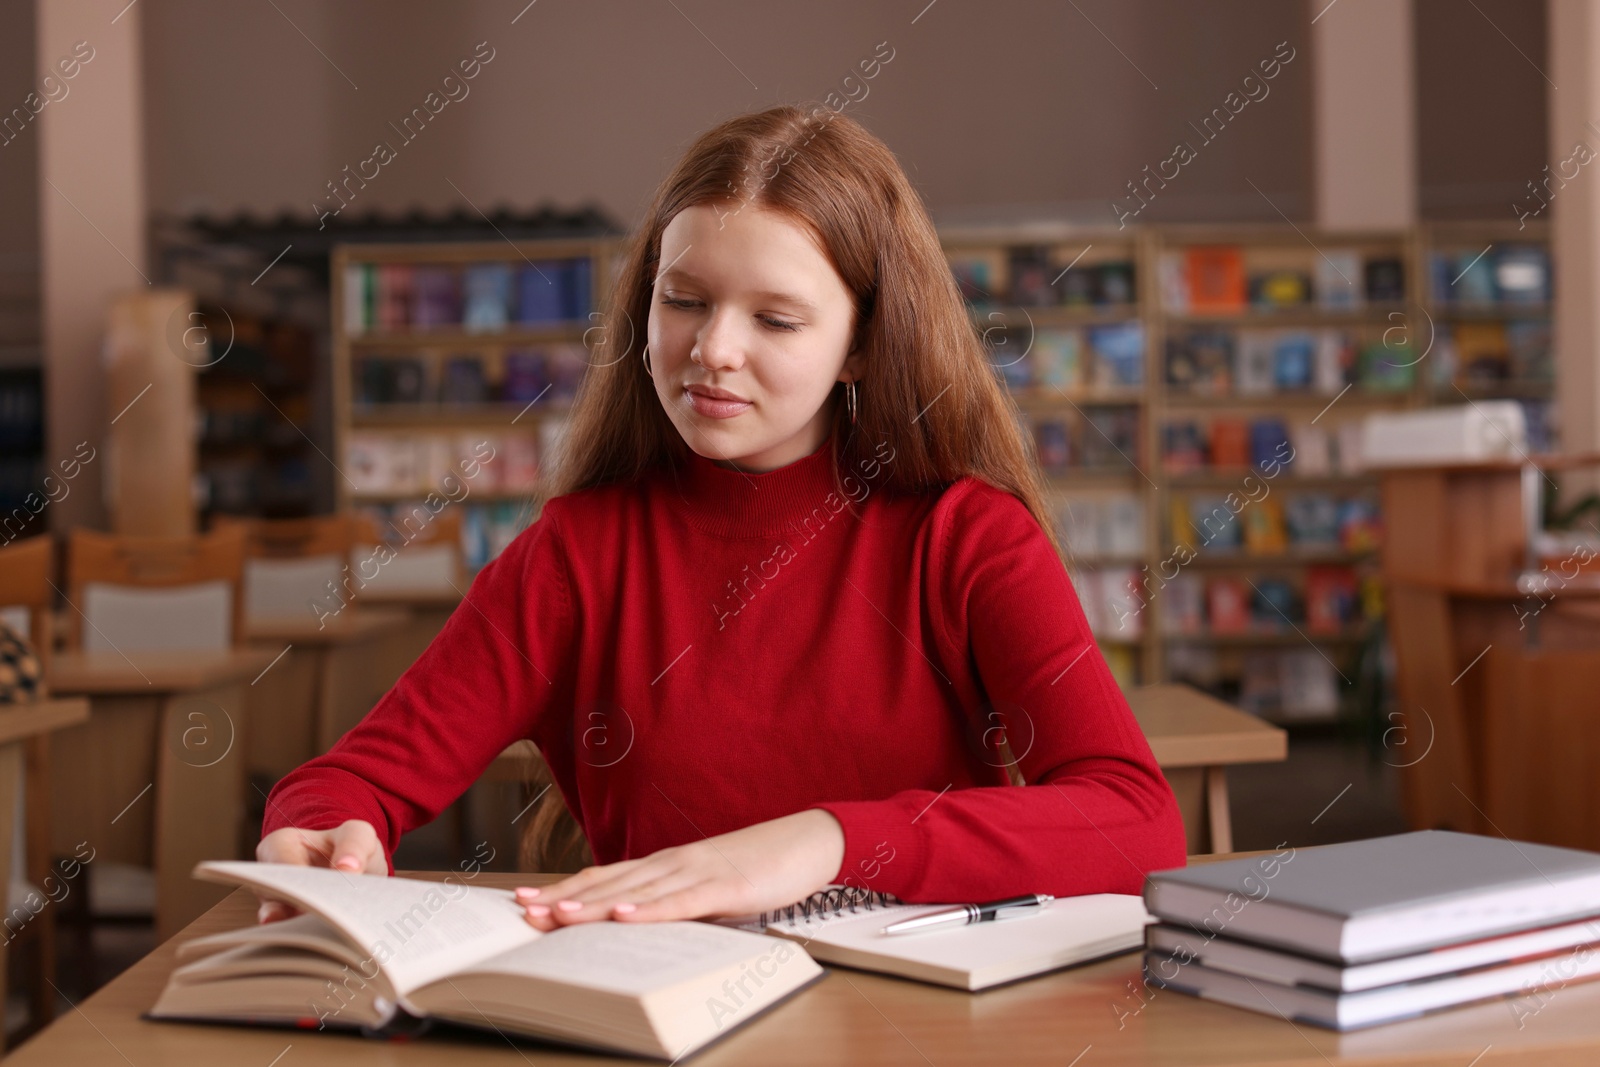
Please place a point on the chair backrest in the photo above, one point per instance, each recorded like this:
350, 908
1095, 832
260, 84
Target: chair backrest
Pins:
427, 556
319, 535
156, 592
26, 570
291, 565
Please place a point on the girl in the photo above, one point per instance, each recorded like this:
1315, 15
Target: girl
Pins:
795, 612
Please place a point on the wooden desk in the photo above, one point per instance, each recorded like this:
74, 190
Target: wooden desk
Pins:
1099, 1015
20, 723
326, 680
1194, 737
165, 723
1493, 731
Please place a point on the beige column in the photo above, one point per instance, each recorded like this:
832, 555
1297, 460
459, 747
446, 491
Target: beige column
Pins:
1574, 115
91, 221
1364, 142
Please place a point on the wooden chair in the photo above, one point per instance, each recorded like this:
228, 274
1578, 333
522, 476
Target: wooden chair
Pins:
427, 568
126, 563
26, 570
427, 554
101, 566
551, 841
291, 566
290, 561
319, 535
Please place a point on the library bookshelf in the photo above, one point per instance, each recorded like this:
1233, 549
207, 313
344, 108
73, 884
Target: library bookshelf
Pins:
1159, 373
1250, 336
454, 366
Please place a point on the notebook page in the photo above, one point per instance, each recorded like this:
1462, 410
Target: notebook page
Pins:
417, 931
1083, 923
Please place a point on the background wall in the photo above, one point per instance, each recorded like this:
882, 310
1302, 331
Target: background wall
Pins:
1026, 106
1481, 105
1002, 108
19, 182
988, 106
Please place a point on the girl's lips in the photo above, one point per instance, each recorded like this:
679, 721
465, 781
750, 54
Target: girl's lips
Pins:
713, 407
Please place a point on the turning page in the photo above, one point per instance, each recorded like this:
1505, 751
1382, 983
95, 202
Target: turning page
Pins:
415, 931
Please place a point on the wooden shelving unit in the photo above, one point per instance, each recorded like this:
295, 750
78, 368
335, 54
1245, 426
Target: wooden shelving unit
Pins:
1510, 328
1407, 314
397, 343
1046, 298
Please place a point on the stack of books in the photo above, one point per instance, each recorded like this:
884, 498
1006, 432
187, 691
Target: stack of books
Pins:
1366, 932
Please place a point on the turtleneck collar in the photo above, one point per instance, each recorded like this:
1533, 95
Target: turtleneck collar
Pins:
731, 503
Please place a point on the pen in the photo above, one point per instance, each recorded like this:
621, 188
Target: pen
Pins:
962, 914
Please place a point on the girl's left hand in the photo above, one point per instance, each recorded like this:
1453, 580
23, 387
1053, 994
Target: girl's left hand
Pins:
760, 867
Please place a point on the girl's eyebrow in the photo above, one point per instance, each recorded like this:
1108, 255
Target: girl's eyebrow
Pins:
769, 294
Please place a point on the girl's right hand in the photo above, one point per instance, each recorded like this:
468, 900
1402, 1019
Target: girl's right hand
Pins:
351, 846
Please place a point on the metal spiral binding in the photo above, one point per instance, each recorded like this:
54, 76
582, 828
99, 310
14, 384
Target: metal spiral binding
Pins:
831, 903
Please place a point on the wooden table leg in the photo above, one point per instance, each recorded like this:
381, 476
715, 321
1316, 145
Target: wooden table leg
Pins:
10, 784
200, 802
1219, 818
36, 850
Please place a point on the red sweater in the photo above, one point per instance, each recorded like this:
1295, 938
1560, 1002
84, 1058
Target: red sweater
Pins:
708, 649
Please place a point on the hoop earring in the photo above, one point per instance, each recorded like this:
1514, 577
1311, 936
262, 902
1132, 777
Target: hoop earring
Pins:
850, 400
647, 368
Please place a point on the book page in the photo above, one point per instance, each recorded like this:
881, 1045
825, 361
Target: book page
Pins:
307, 931
632, 958
415, 931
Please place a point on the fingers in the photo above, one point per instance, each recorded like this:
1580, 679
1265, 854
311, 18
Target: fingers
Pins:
355, 848
284, 846
272, 911
689, 902
587, 881
350, 846
546, 907
615, 899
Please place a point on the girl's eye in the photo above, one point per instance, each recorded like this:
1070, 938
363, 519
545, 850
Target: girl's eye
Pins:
776, 324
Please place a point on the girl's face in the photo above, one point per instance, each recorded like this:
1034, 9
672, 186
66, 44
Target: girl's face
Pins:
747, 308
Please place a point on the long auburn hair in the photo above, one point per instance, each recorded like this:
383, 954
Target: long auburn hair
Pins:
927, 387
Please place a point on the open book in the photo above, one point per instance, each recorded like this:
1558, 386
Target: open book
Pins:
845, 926
384, 954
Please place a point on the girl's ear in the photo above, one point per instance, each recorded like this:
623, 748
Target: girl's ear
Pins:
852, 366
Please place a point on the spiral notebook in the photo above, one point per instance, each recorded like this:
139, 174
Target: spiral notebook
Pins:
845, 926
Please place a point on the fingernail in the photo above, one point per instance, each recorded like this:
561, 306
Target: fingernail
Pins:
624, 908
527, 891
569, 905
538, 911
347, 863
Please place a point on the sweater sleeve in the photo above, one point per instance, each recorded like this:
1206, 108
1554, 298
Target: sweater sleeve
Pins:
1096, 813
500, 662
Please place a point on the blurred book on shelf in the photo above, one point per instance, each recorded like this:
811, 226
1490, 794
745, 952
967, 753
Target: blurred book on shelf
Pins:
1511, 274
1221, 279
1102, 525
475, 297
549, 374
1113, 601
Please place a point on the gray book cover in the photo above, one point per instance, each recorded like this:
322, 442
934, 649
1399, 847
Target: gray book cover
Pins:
1359, 878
